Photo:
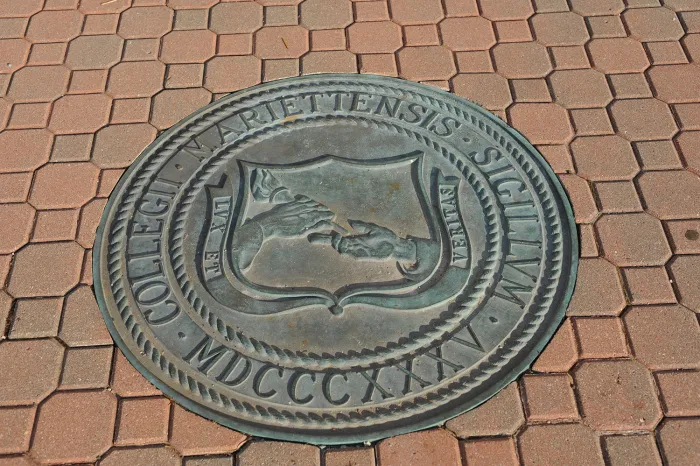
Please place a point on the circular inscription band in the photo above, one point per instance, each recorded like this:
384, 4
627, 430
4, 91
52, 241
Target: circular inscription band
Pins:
335, 258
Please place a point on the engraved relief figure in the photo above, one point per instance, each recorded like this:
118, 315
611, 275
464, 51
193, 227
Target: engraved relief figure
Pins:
334, 232
298, 215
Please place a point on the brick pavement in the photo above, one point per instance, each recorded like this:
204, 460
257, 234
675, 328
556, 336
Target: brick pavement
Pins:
608, 90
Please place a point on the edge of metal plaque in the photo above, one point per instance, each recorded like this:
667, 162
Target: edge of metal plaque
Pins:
323, 438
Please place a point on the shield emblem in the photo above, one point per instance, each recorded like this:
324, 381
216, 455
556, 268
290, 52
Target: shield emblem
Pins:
333, 231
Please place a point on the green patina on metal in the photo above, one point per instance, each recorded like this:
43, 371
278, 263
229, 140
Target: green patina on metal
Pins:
335, 258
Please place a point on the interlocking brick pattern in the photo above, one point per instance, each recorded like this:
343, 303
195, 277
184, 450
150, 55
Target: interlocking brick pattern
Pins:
609, 91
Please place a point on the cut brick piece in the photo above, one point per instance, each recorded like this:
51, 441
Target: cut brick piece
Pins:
143, 421
571, 444
194, 435
435, 447
664, 337
561, 353
599, 291
172, 105
127, 381
82, 321
155, 456
279, 453
639, 450
339, 61
416, 11
278, 69
490, 452
501, 415
228, 74
497, 10
349, 456
549, 397
383, 64
579, 191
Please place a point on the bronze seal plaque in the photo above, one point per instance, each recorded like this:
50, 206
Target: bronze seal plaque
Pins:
335, 258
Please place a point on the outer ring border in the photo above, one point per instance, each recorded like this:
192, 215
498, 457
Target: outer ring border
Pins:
257, 429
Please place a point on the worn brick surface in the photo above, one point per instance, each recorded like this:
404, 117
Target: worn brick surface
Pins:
501, 415
436, 446
608, 90
617, 395
631, 449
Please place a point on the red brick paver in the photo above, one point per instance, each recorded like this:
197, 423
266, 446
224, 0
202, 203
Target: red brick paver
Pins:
608, 90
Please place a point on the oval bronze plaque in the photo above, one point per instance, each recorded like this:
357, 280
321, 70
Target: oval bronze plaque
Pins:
335, 258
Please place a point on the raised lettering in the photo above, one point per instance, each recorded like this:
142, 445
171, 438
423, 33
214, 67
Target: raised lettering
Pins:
258, 379
228, 370
205, 355
373, 385
292, 387
326, 388
410, 377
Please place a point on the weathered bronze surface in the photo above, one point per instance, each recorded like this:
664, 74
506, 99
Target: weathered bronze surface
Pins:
335, 258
